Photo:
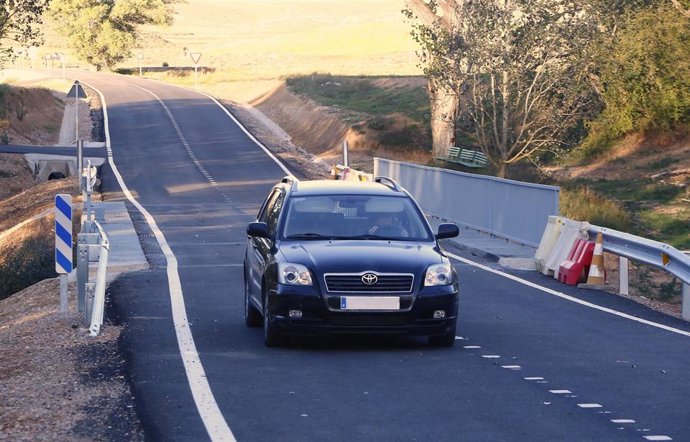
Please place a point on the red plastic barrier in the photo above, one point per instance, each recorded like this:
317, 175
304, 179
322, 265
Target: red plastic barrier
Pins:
572, 271
575, 250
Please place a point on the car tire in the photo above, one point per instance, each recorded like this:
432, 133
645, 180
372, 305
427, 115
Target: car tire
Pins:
252, 316
271, 337
444, 340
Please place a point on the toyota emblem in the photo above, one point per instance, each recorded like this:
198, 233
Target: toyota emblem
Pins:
369, 279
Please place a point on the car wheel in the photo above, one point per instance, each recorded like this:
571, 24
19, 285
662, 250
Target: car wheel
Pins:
445, 340
252, 317
271, 337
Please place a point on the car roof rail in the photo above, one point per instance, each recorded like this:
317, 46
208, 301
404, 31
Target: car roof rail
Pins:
388, 182
292, 180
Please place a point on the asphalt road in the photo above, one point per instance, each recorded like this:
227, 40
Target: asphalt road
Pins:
202, 179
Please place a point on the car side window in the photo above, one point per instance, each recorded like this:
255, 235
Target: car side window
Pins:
267, 205
273, 213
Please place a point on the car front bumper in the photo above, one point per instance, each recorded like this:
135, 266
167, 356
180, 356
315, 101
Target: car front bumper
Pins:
318, 319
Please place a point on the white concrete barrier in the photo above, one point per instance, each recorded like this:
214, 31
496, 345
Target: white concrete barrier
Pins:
548, 241
570, 232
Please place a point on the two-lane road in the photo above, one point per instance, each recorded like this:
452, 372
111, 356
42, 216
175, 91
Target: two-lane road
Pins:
531, 366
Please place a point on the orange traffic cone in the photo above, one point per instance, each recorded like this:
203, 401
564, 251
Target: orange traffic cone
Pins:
597, 273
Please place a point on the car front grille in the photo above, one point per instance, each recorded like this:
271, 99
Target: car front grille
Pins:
386, 283
367, 320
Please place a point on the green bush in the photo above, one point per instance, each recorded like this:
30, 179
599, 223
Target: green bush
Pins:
645, 76
27, 263
583, 204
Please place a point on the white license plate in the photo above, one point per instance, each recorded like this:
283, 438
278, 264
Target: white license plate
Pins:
369, 303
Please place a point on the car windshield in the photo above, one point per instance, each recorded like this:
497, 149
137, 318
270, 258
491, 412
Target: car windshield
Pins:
354, 217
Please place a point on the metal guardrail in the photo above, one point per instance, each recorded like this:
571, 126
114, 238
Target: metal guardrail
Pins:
647, 251
92, 246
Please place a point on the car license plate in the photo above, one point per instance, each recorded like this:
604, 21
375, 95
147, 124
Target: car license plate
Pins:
370, 303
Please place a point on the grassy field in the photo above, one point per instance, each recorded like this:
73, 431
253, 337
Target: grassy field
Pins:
269, 39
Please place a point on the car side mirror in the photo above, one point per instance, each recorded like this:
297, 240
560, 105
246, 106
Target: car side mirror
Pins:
258, 229
447, 230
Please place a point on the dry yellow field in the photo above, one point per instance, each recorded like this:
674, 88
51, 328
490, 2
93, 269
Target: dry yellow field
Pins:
268, 39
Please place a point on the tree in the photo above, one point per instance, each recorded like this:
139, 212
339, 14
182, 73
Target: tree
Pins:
645, 76
432, 29
520, 69
19, 22
104, 32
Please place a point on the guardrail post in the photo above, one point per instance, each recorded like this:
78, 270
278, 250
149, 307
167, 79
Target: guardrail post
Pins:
623, 275
686, 302
98, 305
82, 270
90, 292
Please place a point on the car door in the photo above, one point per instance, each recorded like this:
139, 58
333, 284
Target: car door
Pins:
259, 249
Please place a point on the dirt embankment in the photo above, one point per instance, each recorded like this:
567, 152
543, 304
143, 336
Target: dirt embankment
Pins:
30, 115
321, 130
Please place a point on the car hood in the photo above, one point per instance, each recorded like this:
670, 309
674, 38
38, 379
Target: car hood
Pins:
358, 256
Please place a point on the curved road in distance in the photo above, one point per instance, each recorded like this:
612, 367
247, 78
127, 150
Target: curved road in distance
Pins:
528, 365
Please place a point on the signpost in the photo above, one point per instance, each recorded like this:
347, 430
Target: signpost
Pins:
140, 57
196, 56
77, 91
63, 243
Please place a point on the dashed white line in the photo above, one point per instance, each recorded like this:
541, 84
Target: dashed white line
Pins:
658, 437
560, 391
623, 421
511, 367
534, 378
491, 356
470, 347
590, 405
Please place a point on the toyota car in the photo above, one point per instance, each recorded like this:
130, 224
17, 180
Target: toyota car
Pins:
345, 257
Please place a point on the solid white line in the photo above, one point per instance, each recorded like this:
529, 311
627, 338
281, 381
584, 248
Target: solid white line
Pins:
570, 298
589, 405
623, 421
216, 426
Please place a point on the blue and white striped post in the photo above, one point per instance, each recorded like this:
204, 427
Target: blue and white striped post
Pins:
63, 244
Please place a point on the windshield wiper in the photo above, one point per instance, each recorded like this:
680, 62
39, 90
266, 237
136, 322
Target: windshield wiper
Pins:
308, 236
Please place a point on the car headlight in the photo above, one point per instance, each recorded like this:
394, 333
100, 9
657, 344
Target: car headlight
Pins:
294, 274
438, 274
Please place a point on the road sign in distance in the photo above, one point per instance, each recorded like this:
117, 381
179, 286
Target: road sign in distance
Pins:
76, 90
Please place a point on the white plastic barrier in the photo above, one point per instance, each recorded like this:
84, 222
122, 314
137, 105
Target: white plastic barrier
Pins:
548, 241
345, 173
570, 232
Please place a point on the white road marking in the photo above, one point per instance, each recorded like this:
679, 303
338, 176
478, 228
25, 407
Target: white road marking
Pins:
589, 405
249, 134
216, 426
460, 338
623, 421
658, 437
511, 367
469, 347
491, 356
534, 378
560, 391
569, 298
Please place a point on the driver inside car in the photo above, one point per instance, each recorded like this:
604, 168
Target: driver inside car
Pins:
387, 224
